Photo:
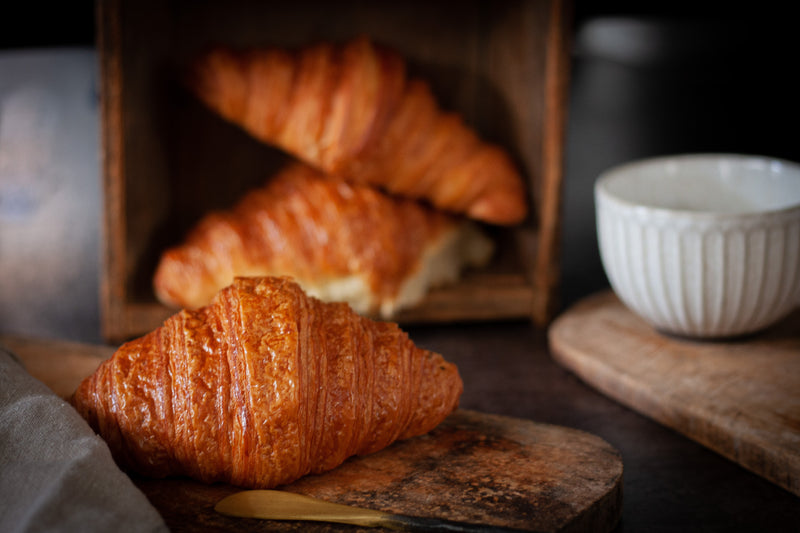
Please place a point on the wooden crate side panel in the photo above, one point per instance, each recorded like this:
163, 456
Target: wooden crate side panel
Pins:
546, 265
112, 293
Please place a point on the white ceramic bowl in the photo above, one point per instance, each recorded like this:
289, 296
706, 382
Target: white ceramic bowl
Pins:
702, 245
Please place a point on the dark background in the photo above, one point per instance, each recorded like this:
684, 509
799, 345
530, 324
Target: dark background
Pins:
648, 78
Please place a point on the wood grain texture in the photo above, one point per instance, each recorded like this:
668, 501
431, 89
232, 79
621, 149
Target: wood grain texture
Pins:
740, 397
167, 161
474, 467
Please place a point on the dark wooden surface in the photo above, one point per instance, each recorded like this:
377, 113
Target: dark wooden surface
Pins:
670, 483
474, 467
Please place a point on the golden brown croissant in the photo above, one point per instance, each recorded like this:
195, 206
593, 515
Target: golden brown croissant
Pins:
262, 387
350, 111
340, 242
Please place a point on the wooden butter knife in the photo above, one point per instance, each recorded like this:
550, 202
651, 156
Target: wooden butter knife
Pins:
280, 505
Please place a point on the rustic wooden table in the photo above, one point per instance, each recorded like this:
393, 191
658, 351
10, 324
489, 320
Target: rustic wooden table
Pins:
670, 483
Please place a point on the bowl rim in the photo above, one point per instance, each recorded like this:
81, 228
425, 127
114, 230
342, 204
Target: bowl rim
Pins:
602, 192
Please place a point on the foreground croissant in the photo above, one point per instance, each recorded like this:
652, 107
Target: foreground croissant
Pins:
340, 242
351, 111
262, 387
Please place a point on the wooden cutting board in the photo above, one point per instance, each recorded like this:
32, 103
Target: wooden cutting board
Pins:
739, 397
474, 467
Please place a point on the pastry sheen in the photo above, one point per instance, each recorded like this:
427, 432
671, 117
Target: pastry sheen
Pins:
340, 242
263, 386
351, 111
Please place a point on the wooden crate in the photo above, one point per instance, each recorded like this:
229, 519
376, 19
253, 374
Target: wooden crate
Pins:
167, 160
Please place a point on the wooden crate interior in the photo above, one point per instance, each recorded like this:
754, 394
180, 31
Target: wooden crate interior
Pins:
168, 160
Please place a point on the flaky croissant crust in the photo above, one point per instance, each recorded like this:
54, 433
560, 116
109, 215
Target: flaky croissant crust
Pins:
262, 387
306, 226
351, 110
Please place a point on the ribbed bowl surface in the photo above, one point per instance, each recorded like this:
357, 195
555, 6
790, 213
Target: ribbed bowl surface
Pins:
701, 274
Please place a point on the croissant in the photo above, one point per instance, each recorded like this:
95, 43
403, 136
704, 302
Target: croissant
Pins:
340, 242
263, 386
350, 110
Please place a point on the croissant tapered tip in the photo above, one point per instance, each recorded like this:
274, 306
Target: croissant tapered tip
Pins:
499, 210
218, 78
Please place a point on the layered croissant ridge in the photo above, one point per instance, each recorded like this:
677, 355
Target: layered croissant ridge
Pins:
340, 242
352, 111
263, 386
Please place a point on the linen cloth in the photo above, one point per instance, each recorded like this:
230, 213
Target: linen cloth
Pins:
56, 474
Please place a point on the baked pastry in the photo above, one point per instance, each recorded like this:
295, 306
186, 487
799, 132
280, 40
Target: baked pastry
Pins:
340, 242
351, 111
263, 386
